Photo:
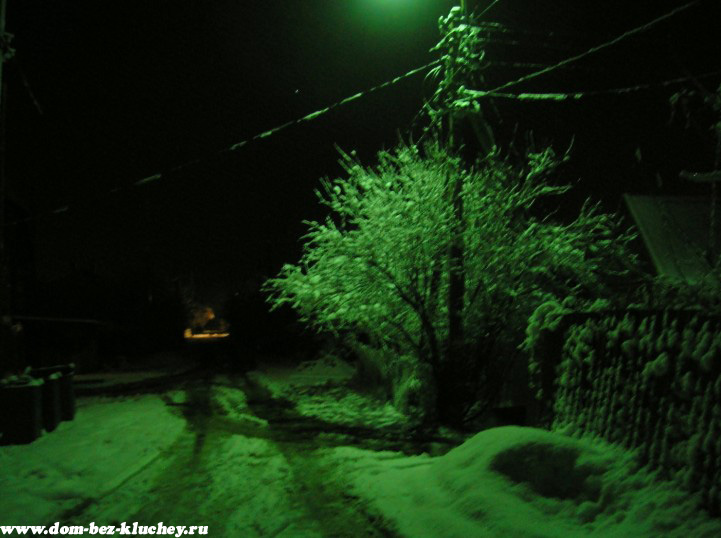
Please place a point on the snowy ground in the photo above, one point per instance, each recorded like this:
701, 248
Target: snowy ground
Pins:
523, 482
110, 441
317, 388
219, 451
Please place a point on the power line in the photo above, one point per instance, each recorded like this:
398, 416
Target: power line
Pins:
488, 8
596, 49
492, 27
265, 134
496, 92
573, 96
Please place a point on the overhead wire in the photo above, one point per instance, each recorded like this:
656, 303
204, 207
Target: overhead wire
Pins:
580, 95
598, 48
488, 8
496, 92
260, 136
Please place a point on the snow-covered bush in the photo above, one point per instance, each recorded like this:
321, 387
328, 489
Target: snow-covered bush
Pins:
400, 379
378, 266
664, 292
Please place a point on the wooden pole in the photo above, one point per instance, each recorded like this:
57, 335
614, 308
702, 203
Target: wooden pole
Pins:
5, 53
3, 9
714, 192
456, 254
7, 359
713, 178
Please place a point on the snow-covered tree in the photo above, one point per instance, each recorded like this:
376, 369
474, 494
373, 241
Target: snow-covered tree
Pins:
378, 265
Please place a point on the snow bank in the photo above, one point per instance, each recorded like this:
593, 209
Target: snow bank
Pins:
84, 459
524, 482
318, 390
283, 381
343, 407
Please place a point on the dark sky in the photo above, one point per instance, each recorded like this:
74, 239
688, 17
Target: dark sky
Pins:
129, 89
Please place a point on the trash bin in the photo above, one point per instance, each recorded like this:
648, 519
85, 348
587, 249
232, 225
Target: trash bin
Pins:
66, 391
21, 417
51, 401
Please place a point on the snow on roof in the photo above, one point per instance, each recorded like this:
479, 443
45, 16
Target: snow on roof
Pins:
675, 230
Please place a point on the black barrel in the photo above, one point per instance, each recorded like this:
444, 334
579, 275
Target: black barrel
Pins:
51, 401
66, 391
21, 417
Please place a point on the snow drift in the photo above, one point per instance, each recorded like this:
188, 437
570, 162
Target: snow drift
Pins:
525, 482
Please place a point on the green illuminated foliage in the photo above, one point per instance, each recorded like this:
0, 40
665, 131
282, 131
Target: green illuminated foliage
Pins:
378, 265
463, 60
703, 295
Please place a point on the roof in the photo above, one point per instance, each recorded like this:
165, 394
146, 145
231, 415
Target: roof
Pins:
675, 230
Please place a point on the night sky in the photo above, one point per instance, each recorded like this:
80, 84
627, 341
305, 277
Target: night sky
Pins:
130, 89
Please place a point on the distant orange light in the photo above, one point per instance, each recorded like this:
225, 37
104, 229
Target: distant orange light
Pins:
189, 335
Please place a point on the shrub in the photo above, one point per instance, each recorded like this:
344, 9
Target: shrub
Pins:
378, 265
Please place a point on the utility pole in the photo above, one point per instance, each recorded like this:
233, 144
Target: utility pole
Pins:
461, 69
6, 359
713, 252
6, 52
714, 178
456, 254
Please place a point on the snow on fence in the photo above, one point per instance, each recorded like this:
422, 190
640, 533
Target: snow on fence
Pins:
648, 380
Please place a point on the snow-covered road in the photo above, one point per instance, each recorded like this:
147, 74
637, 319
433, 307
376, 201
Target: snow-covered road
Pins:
205, 453
291, 452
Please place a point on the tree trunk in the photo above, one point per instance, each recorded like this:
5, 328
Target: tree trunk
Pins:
457, 276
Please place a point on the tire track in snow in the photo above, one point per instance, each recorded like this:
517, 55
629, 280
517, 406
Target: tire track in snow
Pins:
254, 475
318, 488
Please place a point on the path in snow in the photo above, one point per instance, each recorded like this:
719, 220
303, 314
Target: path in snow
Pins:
283, 452
248, 464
